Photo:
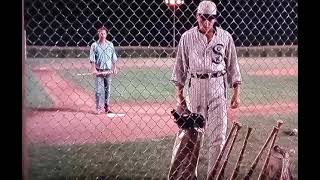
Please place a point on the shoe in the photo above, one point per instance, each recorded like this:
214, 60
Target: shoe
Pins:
108, 111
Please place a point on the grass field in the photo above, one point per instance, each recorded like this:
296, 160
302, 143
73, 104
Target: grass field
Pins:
132, 84
150, 159
153, 84
35, 95
147, 159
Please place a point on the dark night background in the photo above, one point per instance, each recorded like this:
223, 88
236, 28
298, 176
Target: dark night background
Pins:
150, 23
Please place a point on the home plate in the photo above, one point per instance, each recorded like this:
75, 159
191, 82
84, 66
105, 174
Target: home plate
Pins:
115, 114
42, 68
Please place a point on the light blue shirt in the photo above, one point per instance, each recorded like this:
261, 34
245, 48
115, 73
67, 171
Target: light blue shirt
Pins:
103, 55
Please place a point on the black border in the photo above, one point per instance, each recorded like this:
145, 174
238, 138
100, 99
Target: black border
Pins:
11, 63
308, 79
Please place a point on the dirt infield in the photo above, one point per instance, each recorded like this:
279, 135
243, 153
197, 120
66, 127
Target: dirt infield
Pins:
141, 121
75, 121
275, 72
68, 126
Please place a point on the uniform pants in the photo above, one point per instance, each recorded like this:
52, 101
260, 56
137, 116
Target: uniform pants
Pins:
207, 97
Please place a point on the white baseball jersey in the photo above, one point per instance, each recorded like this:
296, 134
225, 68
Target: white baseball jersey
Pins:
206, 94
195, 54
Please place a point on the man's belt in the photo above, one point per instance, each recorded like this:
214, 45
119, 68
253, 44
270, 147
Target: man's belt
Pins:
208, 75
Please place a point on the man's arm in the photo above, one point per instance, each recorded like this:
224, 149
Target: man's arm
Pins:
179, 75
235, 100
114, 61
179, 95
92, 59
233, 73
181, 102
93, 68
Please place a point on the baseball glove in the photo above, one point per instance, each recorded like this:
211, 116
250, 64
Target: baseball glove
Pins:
188, 121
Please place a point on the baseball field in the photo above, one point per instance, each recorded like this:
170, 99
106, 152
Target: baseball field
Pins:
66, 140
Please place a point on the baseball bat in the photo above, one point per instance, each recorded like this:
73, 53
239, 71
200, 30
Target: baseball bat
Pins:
215, 167
99, 73
84, 74
266, 162
255, 162
221, 172
237, 167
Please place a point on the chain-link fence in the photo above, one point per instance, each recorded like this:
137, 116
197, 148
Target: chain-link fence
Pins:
67, 139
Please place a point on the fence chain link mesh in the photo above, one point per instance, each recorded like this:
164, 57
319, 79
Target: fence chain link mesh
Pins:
66, 138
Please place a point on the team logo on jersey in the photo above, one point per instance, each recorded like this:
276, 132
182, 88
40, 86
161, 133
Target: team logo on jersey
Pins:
218, 56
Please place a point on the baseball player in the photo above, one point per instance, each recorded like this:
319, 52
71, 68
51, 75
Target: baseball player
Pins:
206, 63
103, 58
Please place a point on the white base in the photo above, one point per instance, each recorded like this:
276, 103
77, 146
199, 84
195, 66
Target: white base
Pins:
115, 114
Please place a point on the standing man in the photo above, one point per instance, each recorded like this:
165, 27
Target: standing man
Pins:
207, 58
103, 58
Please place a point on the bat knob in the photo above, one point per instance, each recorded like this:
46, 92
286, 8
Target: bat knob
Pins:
279, 123
250, 129
238, 125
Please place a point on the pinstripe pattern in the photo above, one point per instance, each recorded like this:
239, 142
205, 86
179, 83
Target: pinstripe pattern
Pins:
206, 96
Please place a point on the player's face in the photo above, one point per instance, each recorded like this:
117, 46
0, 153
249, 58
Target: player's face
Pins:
102, 34
206, 21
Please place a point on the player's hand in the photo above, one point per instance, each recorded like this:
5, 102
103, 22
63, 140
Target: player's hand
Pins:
235, 101
115, 71
182, 108
95, 72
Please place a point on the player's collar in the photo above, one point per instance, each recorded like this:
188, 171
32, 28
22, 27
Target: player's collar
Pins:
214, 29
102, 43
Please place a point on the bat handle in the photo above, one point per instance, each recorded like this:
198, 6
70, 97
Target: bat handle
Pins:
279, 124
255, 162
221, 172
237, 167
216, 164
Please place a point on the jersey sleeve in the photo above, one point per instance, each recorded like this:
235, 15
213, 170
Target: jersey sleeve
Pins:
92, 57
232, 65
114, 55
179, 74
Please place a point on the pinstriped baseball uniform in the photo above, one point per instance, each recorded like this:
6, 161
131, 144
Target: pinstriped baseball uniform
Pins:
207, 69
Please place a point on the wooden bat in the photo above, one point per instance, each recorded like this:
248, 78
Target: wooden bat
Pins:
215, 167
99, 73
255, 162
266, 162
237, 167
221, 172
